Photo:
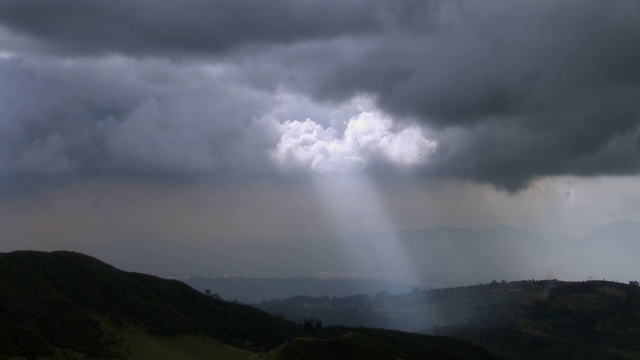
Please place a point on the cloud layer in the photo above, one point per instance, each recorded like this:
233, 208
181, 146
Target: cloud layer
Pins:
509, 92
164, 27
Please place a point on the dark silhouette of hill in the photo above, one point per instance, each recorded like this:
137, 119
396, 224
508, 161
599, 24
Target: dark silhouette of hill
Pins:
50, 297
69, 305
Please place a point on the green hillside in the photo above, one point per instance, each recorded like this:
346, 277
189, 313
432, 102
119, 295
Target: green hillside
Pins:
518, 320
64, 305
53, 298
552, 319
372, 344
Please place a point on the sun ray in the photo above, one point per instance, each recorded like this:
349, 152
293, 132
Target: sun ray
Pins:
367, 238
338, 164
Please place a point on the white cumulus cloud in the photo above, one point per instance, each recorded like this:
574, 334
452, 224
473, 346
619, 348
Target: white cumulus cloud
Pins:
367, 137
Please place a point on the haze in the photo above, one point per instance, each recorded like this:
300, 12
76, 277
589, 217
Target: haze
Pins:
296, 138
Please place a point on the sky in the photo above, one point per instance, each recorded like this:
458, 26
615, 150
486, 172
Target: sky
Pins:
163, 129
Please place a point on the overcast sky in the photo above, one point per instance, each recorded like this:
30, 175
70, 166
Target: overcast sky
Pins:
164, 123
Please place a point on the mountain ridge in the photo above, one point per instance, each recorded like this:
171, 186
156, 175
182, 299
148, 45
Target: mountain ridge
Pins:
518, 320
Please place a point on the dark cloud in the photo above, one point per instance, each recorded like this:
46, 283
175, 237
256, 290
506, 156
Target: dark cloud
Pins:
121, 117
511, 91
163, 27
535, 89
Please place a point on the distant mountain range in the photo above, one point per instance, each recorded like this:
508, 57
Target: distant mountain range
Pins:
427, 258
445, 256
464, 256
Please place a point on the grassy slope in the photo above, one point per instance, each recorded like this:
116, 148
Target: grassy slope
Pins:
138, 344
133, 342
372, 344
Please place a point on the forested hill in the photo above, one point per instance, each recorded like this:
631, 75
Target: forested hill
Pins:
519, 320
49, 298
71, 306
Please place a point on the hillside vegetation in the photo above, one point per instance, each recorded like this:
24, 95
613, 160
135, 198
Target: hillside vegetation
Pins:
64, 305
372, 344
519, 320
50, 298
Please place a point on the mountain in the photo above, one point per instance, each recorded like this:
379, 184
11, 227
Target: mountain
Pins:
66, 305
456, 256
460, 256
621, 235
612, 250
59, 300
517, 320
429, 257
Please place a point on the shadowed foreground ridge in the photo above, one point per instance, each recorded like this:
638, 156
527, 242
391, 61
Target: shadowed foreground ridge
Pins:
69, 305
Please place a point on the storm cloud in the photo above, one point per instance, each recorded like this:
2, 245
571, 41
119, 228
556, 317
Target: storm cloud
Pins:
510, 92
193, 26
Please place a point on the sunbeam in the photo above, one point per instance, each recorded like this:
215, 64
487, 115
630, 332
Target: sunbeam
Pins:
338, 167
368, 244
